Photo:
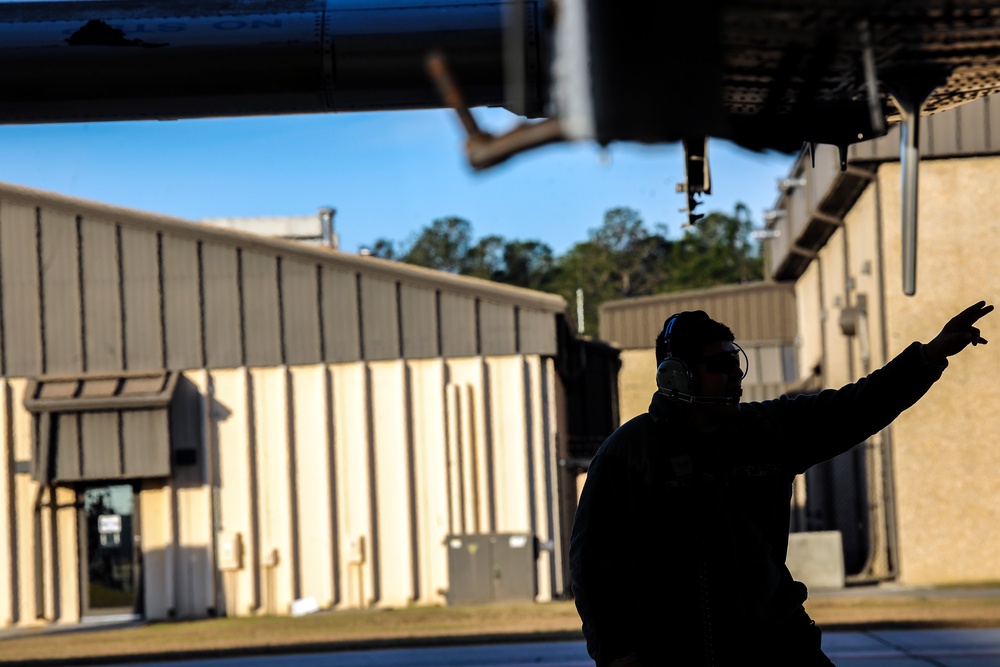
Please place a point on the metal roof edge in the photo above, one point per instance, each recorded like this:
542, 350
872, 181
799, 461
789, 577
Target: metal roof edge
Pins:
760, 285
335, 258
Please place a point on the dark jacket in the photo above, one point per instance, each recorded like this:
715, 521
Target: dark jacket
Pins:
679, 543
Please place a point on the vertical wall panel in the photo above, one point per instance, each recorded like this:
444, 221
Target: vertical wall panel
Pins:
102, 316
380, 325
61, 293
992, 129
458, 325
928, 143
231, 433
19, 281
538, 332
195, 525
25, 490
431, 479
273, 489
68, 443
810, 314
260, 307
354, 491
101, 444
159, 557
145, 443
8, 522
497, 328
341, 330
418, 310
551, 403
313, 485
474, 438
971, 125
223, 344
543, 488
300, 306
141, 287
456, 487
47, 553
393, 493
510, 448
68, 555
181, 299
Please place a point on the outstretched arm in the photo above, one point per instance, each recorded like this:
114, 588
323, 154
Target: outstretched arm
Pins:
957, 334
838, 419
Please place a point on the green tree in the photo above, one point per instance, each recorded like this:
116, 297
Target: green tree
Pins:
447, 245
718, 251
528, 264
443, 245
620, 259
485, 258
384, 248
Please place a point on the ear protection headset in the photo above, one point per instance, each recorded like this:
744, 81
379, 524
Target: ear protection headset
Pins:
676, 380
673, 377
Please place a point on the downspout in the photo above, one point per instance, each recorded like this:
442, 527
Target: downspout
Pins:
210, 454
889, 492
864, 574
888, 501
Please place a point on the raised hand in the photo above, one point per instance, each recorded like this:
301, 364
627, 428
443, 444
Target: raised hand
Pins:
958, 333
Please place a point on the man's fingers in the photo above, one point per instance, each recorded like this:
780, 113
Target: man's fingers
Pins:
972, 314
977, 311
984, 311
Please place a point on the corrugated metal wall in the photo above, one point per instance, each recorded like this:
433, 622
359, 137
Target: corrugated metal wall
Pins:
437, 447
811, 211
761, 315
356, 412
755, 312
92, 288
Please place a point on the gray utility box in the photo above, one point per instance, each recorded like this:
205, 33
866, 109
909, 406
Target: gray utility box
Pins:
495, 567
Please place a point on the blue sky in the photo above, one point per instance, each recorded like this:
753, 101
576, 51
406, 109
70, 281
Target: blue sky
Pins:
388, 174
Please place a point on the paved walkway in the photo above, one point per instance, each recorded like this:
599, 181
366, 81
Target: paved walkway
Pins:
914, 648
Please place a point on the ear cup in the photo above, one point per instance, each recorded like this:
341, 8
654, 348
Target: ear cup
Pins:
673, 375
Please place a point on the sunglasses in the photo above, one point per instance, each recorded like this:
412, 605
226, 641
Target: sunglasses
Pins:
726, 362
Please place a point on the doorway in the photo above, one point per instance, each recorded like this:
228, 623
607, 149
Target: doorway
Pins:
110, 560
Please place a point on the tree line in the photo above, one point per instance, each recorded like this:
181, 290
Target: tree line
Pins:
619, 259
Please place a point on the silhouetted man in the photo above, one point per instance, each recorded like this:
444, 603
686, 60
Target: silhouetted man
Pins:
678, 548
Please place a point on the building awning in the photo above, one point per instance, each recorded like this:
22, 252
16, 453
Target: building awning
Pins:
100, 426
100, 391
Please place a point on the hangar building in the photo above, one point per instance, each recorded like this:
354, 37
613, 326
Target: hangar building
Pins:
198, 421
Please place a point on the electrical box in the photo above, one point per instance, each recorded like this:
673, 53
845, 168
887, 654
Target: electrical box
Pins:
230, 553
514, 559
494, 567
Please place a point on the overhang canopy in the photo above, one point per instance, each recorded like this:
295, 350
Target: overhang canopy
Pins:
101, 426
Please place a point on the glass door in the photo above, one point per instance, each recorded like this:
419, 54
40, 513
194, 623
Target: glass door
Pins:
111, 568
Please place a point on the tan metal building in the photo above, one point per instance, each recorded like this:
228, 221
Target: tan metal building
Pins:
761, 315
929, 495
197, 421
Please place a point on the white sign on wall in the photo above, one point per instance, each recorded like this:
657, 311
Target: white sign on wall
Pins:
108, 524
